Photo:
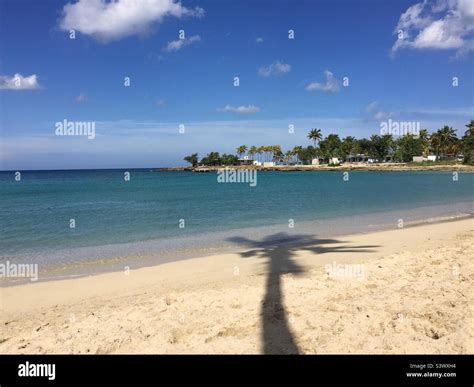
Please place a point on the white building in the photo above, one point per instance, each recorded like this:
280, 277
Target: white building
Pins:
419, 159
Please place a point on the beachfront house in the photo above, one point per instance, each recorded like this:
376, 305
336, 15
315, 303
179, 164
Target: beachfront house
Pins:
245, 161
389, 156
420, 159
269, 164
317, 161
357, 158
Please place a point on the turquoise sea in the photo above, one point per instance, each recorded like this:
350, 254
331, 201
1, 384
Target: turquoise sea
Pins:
142, 217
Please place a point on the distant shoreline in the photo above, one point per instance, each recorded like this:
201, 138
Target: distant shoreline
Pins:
387, 167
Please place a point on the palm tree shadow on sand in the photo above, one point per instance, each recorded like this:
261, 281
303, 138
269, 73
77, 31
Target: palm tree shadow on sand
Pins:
279, 250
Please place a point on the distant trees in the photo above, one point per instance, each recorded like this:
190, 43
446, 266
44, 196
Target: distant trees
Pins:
192, 159
381, 146
277, 153
443, 143
363, 146
406, 147
468, 143
295, 152
306, 155
331, 147
447, 139
212, 159
229, 159
253, 151
425, 141
349, 146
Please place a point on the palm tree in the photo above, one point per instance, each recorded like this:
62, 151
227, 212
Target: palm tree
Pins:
264, 152
315, 135
296, 150
470, 129
348, 146
241, 150
424, 137
447, 138
253, 151
456, 147
277, 153
435, 142
468, 143
260, 151
269, 151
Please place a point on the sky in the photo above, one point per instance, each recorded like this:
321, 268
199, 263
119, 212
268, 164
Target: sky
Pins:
345, 67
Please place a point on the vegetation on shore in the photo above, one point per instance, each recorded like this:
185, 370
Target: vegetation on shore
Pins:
444, 143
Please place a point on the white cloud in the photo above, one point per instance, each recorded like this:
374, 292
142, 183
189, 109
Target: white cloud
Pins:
371, 107
112, 20
276, 68
81, 98
444, 24
461, 111
259, 40
19, 82
381, 116
160, 103
332, 84
376, 113
176, 45
240, 109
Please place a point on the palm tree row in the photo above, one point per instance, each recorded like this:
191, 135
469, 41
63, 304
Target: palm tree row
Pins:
443, 143
261, 153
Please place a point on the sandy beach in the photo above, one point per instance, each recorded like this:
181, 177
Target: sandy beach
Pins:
399, 291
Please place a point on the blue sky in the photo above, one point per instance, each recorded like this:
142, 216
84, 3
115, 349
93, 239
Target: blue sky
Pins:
190, 82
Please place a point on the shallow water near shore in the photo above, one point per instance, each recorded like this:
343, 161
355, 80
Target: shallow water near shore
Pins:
138, 221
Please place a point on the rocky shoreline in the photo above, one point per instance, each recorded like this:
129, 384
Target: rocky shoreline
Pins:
388, 167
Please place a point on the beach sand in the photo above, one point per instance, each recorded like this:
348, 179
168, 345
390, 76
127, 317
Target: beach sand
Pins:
412, 294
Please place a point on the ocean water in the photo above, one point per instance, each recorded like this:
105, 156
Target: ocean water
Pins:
141, 217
